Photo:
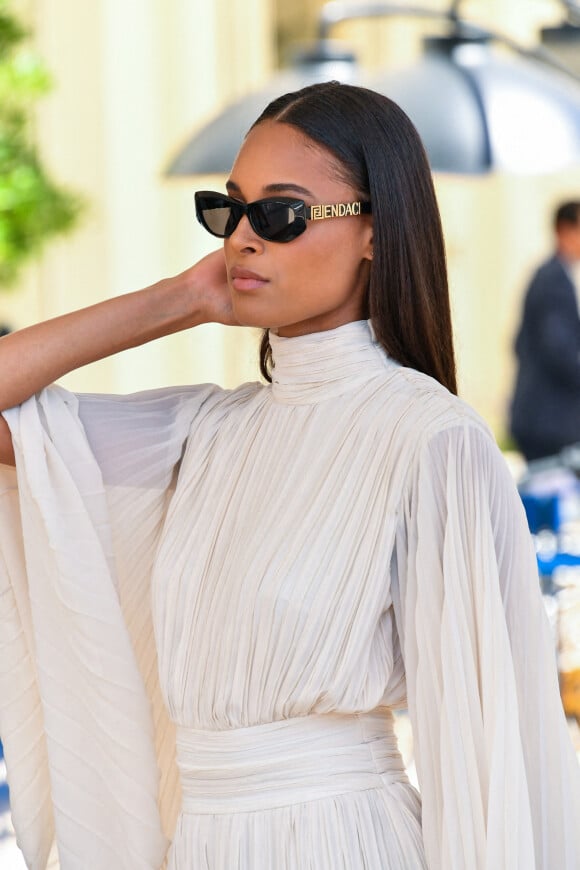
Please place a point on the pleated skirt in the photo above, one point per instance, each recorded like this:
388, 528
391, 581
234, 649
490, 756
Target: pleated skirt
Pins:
378, 829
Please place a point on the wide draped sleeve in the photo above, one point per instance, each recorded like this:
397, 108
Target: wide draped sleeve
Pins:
88, 746
499, 780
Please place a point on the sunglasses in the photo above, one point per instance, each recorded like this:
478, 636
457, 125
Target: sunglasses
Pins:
276, 219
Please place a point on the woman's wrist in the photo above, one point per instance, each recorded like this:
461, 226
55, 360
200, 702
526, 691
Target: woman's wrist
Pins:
171, 305
203, 292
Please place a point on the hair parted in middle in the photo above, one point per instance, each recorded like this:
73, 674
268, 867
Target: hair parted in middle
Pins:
383, 158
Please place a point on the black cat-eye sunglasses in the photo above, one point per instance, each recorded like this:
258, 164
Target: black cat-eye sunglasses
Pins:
276, 219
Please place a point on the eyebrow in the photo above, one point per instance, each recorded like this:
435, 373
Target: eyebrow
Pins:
278, 187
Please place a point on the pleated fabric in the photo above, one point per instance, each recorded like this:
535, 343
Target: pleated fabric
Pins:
81, 715
208, 562
287, 794
360, 830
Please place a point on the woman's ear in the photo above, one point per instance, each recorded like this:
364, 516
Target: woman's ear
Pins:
367, 236
368, 247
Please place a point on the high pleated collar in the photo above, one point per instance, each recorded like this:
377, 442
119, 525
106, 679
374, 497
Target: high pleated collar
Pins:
314, 367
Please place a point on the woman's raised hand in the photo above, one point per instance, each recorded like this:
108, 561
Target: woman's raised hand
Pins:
209, 288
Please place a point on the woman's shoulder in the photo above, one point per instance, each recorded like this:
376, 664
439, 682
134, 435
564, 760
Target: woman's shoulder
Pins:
431, 408
444, 434
423, 412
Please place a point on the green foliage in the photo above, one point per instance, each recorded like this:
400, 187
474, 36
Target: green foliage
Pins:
32, 207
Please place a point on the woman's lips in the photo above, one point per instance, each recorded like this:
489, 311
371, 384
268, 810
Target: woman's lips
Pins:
244, 279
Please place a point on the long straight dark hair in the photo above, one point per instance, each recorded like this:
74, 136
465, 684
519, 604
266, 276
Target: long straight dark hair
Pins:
382, 157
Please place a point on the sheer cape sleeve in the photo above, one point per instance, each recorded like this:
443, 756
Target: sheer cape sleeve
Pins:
88, 746
499, 779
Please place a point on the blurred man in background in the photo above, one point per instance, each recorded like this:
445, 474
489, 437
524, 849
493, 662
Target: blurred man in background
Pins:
545, 409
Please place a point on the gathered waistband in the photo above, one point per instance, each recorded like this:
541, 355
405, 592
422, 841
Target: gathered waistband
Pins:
287, 762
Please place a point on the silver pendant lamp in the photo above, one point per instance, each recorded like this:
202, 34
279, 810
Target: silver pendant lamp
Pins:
480, 101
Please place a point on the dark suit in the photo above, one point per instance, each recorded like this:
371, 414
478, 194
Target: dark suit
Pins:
545, 410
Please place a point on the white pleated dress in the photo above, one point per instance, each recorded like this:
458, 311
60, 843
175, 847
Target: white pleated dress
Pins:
211, 601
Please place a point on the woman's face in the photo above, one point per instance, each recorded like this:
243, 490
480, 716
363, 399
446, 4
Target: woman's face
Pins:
319, 280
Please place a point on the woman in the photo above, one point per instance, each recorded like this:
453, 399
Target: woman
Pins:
321, 549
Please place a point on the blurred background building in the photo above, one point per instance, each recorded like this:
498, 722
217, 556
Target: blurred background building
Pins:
136, 78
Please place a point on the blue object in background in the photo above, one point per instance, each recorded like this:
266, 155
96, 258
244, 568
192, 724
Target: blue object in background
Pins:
4, 801
542, 512
546, 515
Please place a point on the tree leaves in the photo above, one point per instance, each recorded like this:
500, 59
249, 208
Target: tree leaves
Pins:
32, 206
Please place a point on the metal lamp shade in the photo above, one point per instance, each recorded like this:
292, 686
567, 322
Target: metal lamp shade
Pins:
476, 110
445, 108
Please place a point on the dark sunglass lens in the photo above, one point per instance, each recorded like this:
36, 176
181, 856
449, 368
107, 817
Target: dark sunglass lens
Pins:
217, 219
277, 221
218, 214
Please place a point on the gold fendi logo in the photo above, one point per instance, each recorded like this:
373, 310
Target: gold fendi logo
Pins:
341, 209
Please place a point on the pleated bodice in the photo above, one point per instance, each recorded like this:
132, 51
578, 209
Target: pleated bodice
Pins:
272, 581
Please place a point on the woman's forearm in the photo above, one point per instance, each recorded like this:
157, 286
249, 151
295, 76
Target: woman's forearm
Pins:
34, 357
